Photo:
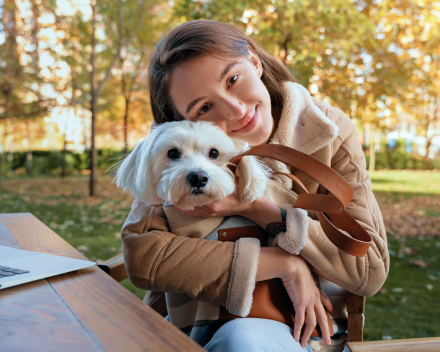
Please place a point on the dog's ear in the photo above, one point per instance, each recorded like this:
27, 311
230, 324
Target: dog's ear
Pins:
253, 177
136, 173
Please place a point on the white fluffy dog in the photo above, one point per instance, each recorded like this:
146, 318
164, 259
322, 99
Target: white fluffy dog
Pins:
185, 163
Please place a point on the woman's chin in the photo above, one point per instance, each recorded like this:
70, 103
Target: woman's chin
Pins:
262, 132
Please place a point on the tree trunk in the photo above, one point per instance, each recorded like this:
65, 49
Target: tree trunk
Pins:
127, 102
29, 155
29, 167
372, 165
2, 166
63, 157
93, 156
433, 123
122, 54
5, 135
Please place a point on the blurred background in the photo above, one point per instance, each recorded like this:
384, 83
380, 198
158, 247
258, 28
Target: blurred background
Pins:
74, 100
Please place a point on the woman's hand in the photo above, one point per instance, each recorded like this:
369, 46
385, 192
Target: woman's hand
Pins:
307, 299
262, 211
230, 205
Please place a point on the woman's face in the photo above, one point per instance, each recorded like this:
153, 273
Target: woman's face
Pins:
227, 92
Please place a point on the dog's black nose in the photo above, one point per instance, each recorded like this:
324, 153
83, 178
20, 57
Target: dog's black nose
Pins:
197, 179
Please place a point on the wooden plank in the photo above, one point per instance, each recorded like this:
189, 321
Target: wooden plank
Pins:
355, 303
115, 267
15, 215
116, 318
34, 318
355, 327
6, 238
355, 322
32, 235
428, 344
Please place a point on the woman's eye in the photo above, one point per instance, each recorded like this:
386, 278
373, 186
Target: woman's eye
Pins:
173, 154
213, 153
232, 80
204, 109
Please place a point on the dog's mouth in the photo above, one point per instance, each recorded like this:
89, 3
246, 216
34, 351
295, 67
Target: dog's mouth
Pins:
197, 191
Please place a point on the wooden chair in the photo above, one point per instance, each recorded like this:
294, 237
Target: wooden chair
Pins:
355, 305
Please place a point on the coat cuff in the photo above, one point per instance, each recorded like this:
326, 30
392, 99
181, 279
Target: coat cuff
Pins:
297, 227
243, 276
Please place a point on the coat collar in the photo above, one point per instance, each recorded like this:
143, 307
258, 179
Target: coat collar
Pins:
303, 126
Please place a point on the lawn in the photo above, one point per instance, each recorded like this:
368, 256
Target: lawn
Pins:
407, 306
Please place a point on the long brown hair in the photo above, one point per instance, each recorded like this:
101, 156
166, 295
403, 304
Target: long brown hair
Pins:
205, 37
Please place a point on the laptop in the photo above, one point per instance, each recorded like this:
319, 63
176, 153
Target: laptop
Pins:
18, 266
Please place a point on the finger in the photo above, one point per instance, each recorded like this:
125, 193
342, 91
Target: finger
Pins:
310, 325
299, 322
321, 317
326, 301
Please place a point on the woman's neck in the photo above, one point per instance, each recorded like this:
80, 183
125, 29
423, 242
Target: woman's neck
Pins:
276, 116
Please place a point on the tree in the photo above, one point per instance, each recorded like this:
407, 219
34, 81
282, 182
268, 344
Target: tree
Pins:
20, 79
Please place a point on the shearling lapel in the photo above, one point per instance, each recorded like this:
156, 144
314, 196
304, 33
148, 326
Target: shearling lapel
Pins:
303, 126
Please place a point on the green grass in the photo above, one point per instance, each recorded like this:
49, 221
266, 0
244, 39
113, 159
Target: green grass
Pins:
406, 181
407, 306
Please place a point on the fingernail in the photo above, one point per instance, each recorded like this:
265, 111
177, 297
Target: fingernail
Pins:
328, 341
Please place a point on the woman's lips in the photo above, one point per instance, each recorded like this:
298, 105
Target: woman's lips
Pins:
249, 123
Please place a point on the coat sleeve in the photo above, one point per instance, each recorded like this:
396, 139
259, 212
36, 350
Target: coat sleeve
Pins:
361, 275
210, 271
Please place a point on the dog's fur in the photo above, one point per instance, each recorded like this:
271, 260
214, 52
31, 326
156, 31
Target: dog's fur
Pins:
152, 177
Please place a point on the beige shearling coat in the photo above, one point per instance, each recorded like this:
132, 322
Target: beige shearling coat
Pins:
158, 259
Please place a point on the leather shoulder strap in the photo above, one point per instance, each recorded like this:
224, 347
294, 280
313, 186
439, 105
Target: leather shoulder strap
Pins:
351, 237
307, 164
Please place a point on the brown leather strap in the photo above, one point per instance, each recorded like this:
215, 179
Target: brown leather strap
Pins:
307, 164
356, 243
356, 240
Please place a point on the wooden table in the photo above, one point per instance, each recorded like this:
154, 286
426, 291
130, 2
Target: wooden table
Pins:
85, 310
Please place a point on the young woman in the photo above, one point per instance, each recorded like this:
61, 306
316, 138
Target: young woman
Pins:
210, 71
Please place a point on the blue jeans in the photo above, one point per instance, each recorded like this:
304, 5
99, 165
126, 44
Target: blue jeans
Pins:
254, 335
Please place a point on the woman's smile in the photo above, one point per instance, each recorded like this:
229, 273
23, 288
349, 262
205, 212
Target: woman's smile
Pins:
248, 122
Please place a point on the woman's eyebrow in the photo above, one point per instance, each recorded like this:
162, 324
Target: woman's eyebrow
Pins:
193, 103
227, 68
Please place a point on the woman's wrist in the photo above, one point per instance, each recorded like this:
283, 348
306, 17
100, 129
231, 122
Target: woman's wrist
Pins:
274, 262
262, 211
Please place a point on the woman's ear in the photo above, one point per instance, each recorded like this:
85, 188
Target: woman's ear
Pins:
255, 60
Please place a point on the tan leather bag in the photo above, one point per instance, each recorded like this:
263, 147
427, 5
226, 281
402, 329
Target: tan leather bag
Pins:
270, 298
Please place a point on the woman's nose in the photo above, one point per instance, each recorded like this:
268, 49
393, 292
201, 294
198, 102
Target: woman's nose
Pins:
234, 109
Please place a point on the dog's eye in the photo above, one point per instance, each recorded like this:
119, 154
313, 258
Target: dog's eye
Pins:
213, 153
173, 154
